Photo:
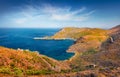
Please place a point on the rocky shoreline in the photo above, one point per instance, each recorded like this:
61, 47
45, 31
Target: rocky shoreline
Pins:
50, 38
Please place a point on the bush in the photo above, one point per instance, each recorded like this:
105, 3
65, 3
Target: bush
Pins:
38, 72
32, 72
12, 64
65, 71
90, 51
5, 70
17, 71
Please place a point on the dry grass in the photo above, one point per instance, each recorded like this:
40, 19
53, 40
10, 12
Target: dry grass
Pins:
19, 62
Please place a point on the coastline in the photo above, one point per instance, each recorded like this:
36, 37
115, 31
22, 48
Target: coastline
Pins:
57, 39
50, 38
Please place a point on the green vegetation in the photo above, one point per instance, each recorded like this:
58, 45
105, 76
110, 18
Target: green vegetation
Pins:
11, 71
76, 68
17, 71
38, 72
76, 33
24, 62
5, 70
90, 51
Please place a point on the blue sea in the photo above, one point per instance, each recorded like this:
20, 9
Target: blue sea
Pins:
23, 38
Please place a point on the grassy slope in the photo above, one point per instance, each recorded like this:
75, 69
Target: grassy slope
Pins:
91, 49
19, 62
75, 33
106, 58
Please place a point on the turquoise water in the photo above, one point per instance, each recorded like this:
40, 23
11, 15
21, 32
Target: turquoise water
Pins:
23, 38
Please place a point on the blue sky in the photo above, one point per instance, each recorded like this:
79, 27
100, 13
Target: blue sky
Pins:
59, 13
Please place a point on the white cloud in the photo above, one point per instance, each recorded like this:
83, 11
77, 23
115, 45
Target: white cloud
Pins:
47, 13
20, 20
78, 11
82, 18
60, 17
89, 13
49, 9
72, 15
66, 14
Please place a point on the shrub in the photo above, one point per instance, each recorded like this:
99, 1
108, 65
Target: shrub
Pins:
78, 68
12, 64
65, 71
18, 71
32, 72
38, 72
5, 70
90, 51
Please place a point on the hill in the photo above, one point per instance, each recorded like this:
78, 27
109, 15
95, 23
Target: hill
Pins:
107, 58
24, 62
75, 33
95, 49
110, 49
114, 30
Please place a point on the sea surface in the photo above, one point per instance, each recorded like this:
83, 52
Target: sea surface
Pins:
23, 38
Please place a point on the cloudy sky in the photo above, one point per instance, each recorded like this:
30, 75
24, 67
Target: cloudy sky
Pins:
59, 13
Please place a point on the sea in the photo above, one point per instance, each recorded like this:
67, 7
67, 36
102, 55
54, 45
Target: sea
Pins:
23, 38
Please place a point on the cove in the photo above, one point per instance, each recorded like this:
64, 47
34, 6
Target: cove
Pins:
23, 38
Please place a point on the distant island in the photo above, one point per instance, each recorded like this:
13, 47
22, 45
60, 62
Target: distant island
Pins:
96, 55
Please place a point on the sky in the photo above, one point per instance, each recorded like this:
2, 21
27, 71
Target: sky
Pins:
59, 13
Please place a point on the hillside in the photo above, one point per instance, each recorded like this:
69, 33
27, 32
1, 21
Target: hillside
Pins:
24, 62
75, 33
94, 47
107, 57
114, 30
110, 49
86, 38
